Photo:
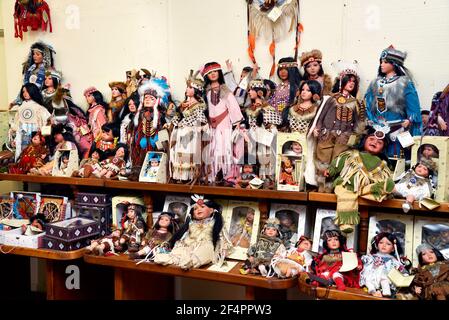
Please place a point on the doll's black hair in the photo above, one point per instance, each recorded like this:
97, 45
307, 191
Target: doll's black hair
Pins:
40, 218
247, 69
339, 87
100, 152
294, 78
125, 109
306, 75
391, 237
34, 92
221, 79
397, 69
138, 211
370, 132
437, 252
431, 172
111, 127
125, 148
171, 227
99, 99
433, 147
334, 233
218, 224
64, 155
67, 134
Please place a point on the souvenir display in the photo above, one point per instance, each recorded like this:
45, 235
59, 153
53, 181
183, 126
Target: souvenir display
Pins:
293, 221
224, 116
180, 206
118, 96
97, 109
294, 260
313, 70
90, 167
435, 151
431, 280
200, 241
433, 231
189, 126
275, 19
373, 182
439, 115
400, 225
326, 266
115, 165
154, 168
291, 152
260, 254
31, 15
119, 204
385, 254
133, 229
33, 156
391, 99
242, 223
97, 207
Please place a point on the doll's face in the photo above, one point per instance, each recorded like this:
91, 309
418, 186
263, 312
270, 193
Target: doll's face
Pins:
190, 92
65, 160
252, 94
313, 68
271, 231
283, 74
90, 99
305, 245
385, 246
201, 212
425, 119
350, 85
170, 109
38, 57
58, 138
243, 74
36, 140
422, 170
250, 216
428, 256
154, 163
132, 106
373, 145
213, 76
107, 135
164, 221
333, 243
116, 233
25, 93
386, 67
48, 81
149, 101
428, 152
296, 147
115, 92
306, 94
247, 168
95, 155
36, 224
286, 221
131, 214
120, 153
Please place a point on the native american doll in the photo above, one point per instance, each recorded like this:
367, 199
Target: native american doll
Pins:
97, 111
150, 118
108, 139
90, 167
313, 70
338, 119
31, 116
33, 156
327, 265
362, 173
439, 115
160, 234
261, 253
224, 114
201, 240
416, 183
240, 232
188, 128
392, 100
240, 88
32, 14
386, 252
115, 165
118, 96
431, 280
285, 92
294, 260
133, 229
128, 113
248, 173
106, 245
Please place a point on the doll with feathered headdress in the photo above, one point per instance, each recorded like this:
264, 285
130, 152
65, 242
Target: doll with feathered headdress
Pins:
201, 240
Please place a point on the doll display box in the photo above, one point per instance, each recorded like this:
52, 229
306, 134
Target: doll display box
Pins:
434, 231
290, 161
119, 204
179, 205
71, 234
436, 149
293, 218
154, 168
96, 206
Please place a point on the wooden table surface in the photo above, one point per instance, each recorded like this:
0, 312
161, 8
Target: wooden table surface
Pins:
42, 253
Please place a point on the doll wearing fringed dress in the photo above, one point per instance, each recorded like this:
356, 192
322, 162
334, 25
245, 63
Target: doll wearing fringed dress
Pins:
294, 260
200, 241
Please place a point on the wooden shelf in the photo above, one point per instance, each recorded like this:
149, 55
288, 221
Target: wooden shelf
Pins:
52, 180
231, 277
43, 253
390, 203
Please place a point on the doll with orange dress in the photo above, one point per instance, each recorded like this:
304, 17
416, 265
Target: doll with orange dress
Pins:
33, 156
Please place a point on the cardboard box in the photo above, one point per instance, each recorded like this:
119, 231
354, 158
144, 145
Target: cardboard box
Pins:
15, 238
297, 214
150, 173
73, 229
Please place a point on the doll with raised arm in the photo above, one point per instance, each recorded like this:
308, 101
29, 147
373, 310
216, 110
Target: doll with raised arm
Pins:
162, 231
118, 96
201, 240
224, 116
261, 253
360, 172
188, 127
385, 254
294, 260
431, 280
115, 165
313, 70
133, 229
33, 156
416, 183
327, 265
97, 111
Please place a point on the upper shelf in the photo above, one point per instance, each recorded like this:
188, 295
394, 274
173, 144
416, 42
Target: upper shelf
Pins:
52, 180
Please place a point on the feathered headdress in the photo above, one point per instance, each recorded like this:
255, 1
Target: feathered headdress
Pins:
47, 52
157, 87
194, 81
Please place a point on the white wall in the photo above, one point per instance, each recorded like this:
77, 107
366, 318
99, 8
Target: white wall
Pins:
3, 82
173, 36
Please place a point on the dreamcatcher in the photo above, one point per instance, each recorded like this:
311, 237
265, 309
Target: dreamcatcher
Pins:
52, 209
5, 208
24, 207
33, 14
271, 18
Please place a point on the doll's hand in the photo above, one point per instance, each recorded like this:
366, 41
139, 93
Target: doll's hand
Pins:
316, 132
24, 228
326, 173
418, 290
229, 65
255, 70
406, 123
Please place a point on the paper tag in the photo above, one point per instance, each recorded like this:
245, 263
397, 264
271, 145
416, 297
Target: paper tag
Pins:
352, 140
349, 261
244, 83
274, 14
264, 137
84, 130
429, 203
163, 135
46, 130
394, 135
225, 267
159, 145
399, 279
405, 139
